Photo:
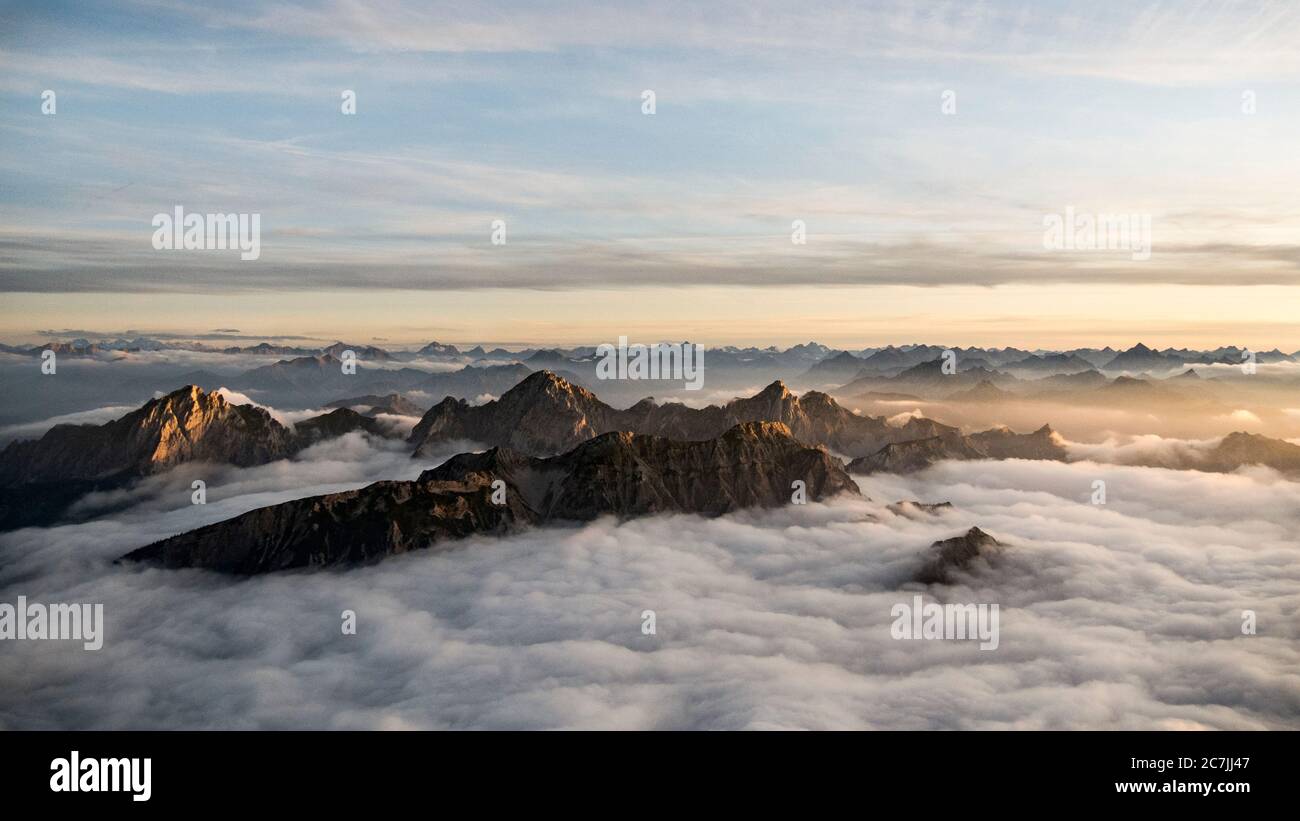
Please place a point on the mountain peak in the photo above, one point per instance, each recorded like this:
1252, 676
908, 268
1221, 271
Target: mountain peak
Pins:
183, 403
548, 381
188, 424
436, 347
776, 390
956, 553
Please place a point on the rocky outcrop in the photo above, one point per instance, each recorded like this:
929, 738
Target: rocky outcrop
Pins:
919, 510
621, 474
956, 553
546, 414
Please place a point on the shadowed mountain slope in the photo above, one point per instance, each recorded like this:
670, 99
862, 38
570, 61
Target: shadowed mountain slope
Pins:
623, 474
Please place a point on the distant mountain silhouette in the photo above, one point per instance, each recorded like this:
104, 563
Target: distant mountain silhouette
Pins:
438, 349
834, 369
985, 391
361, 351
1140, 358
997, 443
374, 404
1050, 363
337, 423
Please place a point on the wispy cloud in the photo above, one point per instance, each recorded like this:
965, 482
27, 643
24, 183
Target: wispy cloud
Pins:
766, 114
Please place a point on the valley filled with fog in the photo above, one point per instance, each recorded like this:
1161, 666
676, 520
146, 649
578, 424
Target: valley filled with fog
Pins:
1121, 614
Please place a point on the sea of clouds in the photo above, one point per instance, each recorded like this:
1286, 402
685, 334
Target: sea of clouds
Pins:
1122, 615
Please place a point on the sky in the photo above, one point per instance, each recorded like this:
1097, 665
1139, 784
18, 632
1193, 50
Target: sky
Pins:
923, 147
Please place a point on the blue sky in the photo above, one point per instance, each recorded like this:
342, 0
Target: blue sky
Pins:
767, 113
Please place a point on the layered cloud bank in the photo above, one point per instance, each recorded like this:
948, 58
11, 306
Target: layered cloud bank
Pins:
1122, 615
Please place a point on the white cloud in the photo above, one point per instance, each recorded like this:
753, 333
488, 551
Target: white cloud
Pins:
900, 419
1243, 417
1144, 449
35, 430
1125, 615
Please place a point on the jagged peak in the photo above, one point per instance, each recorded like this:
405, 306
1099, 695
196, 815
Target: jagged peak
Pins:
776, 390
190, 391
184, 400
544, 378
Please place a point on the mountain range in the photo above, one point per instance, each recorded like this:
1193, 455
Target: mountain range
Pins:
623, 474
121, 371
546, 414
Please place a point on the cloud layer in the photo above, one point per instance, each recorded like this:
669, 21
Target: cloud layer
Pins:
1126, 615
